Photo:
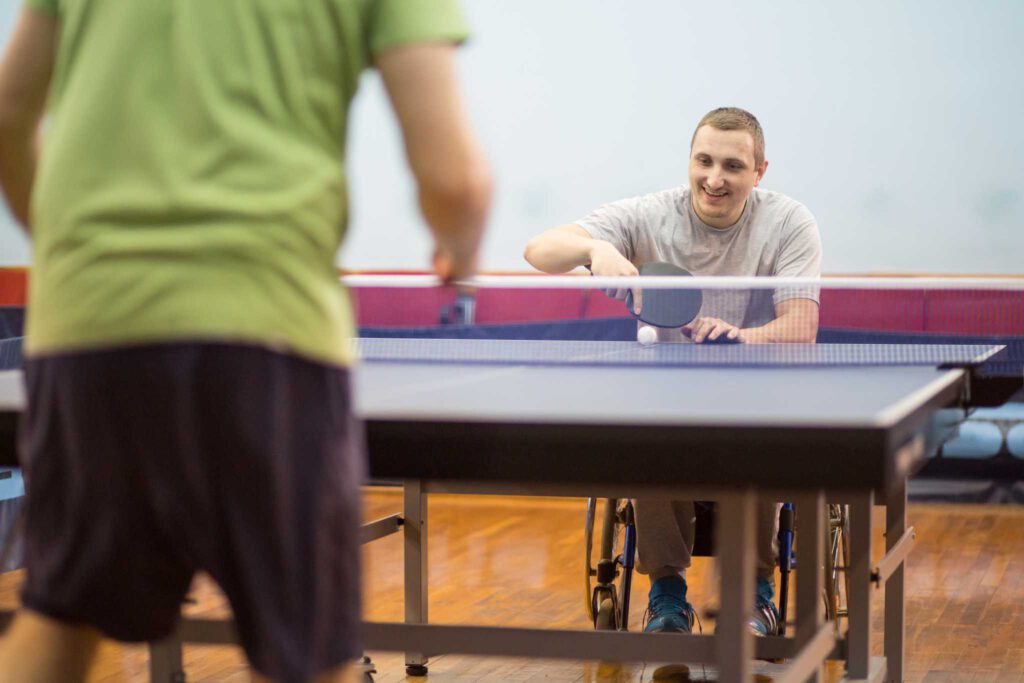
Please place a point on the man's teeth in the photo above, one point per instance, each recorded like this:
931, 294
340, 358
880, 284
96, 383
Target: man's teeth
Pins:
714, 194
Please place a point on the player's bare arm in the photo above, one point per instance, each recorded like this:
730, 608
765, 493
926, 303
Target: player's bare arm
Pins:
561, 249
796, 321
24, 82
452, 175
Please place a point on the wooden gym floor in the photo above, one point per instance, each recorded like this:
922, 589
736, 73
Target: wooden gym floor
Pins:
518, 562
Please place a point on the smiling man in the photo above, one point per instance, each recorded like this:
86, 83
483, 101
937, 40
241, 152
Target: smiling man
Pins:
721, 224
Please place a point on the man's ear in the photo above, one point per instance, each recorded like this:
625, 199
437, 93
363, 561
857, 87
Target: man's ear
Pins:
761, 171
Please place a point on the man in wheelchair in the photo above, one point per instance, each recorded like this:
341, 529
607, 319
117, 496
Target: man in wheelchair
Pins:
720, 224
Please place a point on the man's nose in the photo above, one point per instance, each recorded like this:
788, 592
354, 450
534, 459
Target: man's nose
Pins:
715, 180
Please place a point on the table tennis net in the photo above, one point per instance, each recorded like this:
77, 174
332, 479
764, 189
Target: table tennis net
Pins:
584, 353
863, 321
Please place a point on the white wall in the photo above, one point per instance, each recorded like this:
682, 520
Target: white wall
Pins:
899, 123
14, 248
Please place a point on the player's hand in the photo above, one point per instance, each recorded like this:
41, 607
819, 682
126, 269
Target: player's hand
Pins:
605, 260
450, 266
706, 329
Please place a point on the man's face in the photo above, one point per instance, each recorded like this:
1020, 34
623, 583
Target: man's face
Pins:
722, 174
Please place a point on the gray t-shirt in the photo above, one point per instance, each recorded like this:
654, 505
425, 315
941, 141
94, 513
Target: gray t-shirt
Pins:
775, 235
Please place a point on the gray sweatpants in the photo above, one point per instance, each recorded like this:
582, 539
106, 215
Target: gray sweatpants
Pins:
665, 533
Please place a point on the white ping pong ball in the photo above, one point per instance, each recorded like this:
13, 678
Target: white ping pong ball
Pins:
647, 335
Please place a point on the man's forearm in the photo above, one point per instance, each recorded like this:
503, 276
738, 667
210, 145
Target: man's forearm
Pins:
457, 214
18, 159
791, 328
558, 251
24, 82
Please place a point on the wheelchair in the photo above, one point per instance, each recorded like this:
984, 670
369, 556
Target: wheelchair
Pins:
608, 582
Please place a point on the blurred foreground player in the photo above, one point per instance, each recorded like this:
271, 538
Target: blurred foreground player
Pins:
188, 400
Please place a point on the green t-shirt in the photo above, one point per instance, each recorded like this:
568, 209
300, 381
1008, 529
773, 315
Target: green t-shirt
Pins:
192, 183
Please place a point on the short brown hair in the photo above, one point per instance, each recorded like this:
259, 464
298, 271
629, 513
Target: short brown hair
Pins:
734, 118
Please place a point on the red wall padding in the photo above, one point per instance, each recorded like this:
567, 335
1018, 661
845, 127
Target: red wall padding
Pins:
13, 286
950, 311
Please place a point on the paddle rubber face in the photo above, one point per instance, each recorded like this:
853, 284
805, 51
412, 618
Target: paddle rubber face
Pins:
665, 307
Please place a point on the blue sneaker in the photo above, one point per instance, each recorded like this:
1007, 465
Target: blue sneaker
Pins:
667, 608
764, 620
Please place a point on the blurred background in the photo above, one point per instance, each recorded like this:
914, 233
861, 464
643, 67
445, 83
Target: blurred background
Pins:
896, 123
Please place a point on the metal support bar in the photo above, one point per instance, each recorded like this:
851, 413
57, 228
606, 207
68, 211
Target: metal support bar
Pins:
379, 528
433, 639
858, 634
894, 559
812, 655
734, 644
775, 647
415, 504
876, 672
222, 632
165, 664
787, 647
810, 527
895, 609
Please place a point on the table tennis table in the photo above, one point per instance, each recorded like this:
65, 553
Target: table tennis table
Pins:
617, 419
795, 422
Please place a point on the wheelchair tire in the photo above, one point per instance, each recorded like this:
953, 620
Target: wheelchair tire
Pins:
588, 563
837, 561
606, 619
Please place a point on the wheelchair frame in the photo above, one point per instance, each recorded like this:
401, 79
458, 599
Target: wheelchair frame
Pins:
607, 604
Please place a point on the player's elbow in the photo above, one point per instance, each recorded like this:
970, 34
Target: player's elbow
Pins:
543, 255
558, 250
465, 193
808, 329
532, 252
797, 324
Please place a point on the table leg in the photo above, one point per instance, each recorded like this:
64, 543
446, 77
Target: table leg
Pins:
416, 578
810, 520
734, 644
165, 660
858, 635
895, 526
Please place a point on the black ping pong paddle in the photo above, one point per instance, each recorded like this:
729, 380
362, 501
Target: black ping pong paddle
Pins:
665, 307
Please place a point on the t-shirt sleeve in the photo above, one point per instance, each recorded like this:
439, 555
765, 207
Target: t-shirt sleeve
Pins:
618, 223
48, 6
406, 22
799, 255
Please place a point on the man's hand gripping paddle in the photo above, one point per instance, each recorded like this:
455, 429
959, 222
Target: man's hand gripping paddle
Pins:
668, 308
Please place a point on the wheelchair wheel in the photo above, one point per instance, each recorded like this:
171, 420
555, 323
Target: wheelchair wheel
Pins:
837, 559
589, 572
611, 526
607, 616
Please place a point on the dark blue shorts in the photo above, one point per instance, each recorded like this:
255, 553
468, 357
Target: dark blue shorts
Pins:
145, 465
